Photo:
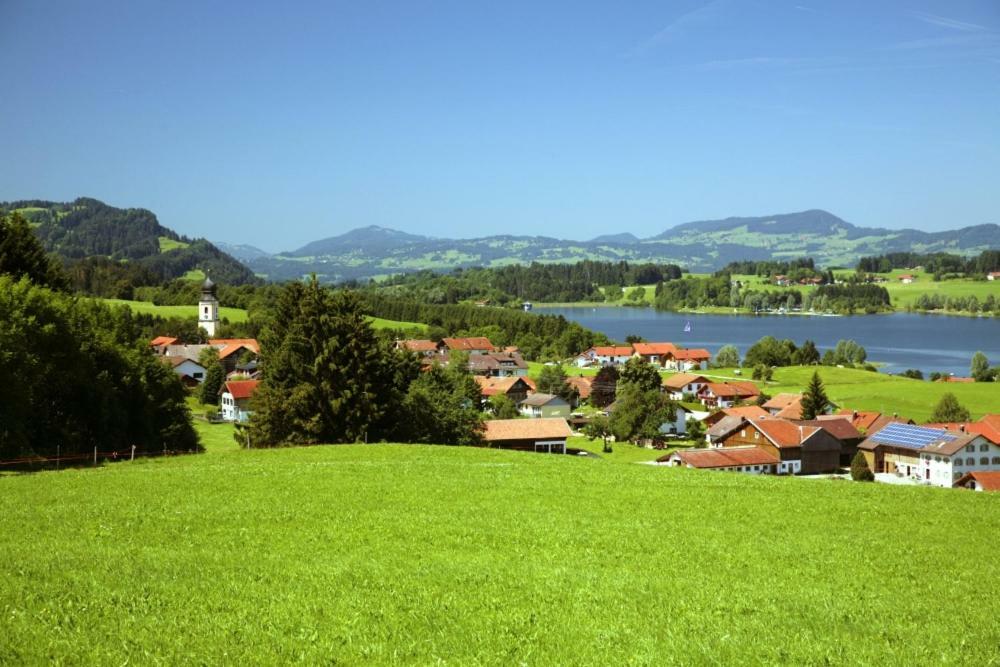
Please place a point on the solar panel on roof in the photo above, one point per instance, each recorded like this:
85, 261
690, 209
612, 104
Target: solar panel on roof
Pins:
913, 437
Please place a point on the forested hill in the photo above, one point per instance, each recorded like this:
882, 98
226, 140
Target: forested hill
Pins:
86, 233
702, 246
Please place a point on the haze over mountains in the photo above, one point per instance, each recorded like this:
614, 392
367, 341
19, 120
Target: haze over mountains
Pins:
700, 246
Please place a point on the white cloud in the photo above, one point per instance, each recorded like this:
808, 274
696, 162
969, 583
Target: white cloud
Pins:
945, 22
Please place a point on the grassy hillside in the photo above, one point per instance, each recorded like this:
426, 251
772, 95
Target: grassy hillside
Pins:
415, 554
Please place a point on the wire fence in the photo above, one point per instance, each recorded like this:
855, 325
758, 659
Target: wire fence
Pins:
94, 458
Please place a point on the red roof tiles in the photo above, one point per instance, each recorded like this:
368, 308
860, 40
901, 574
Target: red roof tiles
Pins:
725, 457
241, 388
500, 430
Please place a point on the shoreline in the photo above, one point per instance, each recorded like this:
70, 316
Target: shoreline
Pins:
718, 310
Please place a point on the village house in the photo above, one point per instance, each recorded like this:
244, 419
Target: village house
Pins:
993, 275
474, 345
534, 435
907, 278
498, 364
425, 348
979, 481
231, 350
515, 388
842, 430
740, 411
935, 456
727, 394
688, 360
748, 459
677, 386
236, 395
160, 343
788, 404
800, 449
583, 386
190, 371
539, 406
608, 355
676, 426
655, 353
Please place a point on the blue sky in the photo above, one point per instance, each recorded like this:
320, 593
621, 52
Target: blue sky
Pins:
279, 123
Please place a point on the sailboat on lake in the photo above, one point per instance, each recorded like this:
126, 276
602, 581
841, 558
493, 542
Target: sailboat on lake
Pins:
687, 327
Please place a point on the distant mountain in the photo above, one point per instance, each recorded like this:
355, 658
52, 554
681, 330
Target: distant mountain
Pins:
88, 228
706, 245
625, 238
241, 251
371, 239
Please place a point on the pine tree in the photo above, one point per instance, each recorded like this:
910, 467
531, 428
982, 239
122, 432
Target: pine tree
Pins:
860, 472
22, 254
949, 409
814, 400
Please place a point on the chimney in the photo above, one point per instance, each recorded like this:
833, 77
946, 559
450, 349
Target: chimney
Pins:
854, 415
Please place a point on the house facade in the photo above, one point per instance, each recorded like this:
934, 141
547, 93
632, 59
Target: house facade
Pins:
498, 364
727, 394
799, 449
544, 406
235, 403
748, 459
607, 355
933, 456
680, 384
535, 435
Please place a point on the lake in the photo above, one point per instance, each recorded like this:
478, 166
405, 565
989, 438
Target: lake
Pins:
899, 340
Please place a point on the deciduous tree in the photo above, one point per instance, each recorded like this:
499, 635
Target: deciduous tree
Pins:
949, 409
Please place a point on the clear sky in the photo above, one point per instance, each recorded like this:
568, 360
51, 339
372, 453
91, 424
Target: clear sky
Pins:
278, 123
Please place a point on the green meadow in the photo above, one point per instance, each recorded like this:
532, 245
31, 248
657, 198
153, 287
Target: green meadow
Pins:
405, 554
167, 243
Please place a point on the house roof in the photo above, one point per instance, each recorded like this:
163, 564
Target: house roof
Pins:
581, 384
551, 428
745, 411
989, 480
781, 401
658, 349
906, 436
783, 433
613, 351
229, 346
178, 360
735, 389
472, 343
496, 360
185, 351
492, 386
418, 345
871, 422
955, 378
240, 388
681, 380
162, 340
723, 457
725, 426
539, 399
951, 446
839, 427
693, 354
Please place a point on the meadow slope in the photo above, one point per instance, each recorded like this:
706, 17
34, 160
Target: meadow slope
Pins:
420, 554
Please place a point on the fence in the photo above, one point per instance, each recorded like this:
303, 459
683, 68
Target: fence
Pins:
90, 457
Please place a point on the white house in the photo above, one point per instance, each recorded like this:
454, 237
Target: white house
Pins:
187, 368
993, 275
608, 355
679, 425
979, 481
683, 383
944, 461
541, 405
236, 395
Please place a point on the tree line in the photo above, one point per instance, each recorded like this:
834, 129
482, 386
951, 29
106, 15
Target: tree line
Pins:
938, 263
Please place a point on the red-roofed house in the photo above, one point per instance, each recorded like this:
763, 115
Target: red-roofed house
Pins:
538, 435
907, 278
160, 343
236, 395
655, 353
683, 383
800, 449
231, 349
582, 385
993, 275
742, 411
979, 481
727, 394
422, 347
514, 388
607, 355
749, 459
687, 360
473, 345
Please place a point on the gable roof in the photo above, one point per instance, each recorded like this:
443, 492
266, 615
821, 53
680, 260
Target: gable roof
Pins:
989, 480
745, 411
177, 361
550, 428
950, 447
783, 433
472, 343
581, 384
240, 388
840, 428
539, 399
681, 380
162, 340
723, 457
725, 426
781, 401
231, 346
693, 354
415, 345
496, 361
735, 389
492, 386
906, 436
658, 349
612, 351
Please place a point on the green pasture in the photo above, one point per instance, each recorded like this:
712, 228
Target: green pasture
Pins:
167, 243
232, 314
396, 554
905, 295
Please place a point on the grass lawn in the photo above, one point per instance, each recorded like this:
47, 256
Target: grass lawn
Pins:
232, 314
421, 554
167, 243
864, 390
414, 327
906, 295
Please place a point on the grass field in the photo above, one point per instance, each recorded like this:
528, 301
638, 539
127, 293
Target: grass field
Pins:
420, 554
905, 295
167, 243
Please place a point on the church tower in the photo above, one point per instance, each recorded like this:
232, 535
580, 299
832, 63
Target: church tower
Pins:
208, 308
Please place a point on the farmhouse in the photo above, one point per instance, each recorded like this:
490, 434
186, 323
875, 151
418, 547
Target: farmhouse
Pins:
800, 449
608, 355
944, 461
727, 394
498, 364
474, 345
907, 278
683, 383
236, 395
582, 385
748, 459
979, 481
514, 388
747, 411
786, 406
541, 405
232, 349
655, 353
993, 275
537, 435
935, 456
686, 360
842, 430
190, 371
871, 422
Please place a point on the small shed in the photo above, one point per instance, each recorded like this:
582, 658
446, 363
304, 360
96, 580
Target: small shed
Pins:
534, 435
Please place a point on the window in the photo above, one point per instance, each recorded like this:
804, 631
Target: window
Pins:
984, 448
969, 461
984, 461
970, 448
958, 462
743, 433
206, 310
756, 435
996, 460
937, 458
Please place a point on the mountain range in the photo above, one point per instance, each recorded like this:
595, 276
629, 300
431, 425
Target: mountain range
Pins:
700, 246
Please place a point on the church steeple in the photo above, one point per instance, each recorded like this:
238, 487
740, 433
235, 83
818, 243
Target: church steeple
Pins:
208, 308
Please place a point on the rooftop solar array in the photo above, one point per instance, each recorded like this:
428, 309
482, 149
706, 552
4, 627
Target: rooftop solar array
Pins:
912, 437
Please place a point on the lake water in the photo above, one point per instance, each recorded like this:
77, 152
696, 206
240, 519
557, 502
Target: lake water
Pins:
900, 340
